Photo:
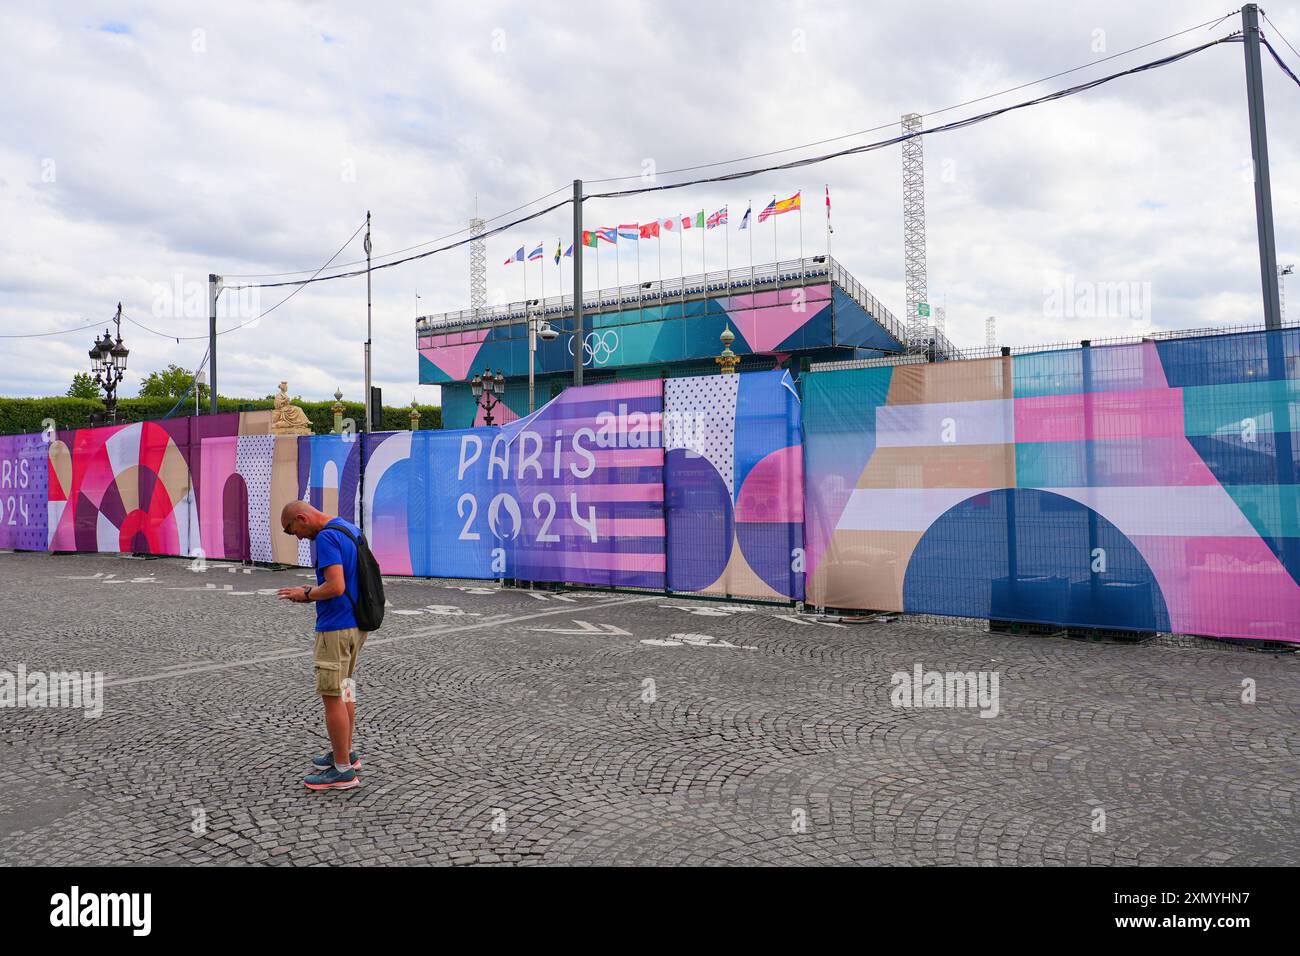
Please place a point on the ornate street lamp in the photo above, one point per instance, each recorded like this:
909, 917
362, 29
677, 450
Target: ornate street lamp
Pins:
485, 388
108, 361
728, 359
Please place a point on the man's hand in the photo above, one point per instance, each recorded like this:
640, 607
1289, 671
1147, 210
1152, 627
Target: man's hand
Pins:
296, 595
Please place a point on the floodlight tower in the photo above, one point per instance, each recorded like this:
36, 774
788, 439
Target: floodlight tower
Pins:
991, 331
918, 308
477, 266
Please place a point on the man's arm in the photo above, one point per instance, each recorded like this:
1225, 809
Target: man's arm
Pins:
332, 588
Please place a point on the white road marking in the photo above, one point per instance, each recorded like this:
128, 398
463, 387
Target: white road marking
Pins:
695, 640
183, 671
586, 627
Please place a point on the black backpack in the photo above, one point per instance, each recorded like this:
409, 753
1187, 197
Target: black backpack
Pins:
368, 608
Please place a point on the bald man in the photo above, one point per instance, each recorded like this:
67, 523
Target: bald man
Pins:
338, 639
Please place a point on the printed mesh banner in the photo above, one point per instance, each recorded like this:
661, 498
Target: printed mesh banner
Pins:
24, 473
733, 477
587, 473
572, 493
1145, 487
426, 509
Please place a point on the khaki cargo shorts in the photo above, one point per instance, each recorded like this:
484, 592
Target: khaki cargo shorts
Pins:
335, 659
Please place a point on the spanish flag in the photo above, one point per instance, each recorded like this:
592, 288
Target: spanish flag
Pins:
787, 205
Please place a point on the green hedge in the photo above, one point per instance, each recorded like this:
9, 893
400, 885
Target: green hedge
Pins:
22, 415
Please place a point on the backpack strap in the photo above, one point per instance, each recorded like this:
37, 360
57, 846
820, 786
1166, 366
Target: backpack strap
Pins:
357, 545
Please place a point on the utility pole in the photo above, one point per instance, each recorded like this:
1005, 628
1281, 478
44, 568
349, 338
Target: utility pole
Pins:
1282, 273
370, 412
1259, 153
214, 290
578, 336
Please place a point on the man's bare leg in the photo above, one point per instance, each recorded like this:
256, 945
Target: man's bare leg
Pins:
338, 724
352, 724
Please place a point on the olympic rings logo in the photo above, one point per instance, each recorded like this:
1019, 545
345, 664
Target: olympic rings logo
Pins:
597, 347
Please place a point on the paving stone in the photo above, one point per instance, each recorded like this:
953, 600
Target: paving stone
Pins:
496, 711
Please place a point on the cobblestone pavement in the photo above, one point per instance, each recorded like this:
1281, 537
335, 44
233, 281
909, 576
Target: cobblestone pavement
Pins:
515, 727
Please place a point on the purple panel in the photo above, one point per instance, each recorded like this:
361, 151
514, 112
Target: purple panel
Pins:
24, 477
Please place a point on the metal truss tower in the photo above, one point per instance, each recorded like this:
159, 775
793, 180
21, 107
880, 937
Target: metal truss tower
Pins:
477, 267
941, 320
991, 331
918, 325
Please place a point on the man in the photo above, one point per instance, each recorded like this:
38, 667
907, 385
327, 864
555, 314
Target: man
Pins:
338, 639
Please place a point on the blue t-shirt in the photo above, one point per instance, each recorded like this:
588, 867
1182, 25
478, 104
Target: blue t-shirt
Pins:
335, 547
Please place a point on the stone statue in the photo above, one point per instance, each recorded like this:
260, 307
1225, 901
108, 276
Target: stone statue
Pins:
288, 418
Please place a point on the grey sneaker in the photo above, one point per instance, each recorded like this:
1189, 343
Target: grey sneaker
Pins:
331, 779
327, 761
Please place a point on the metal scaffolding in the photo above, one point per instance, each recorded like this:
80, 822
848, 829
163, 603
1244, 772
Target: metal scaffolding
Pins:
477, 267
918, 324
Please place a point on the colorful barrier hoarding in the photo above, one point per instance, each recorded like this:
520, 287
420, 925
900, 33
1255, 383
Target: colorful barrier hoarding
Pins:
1148, 487
23, 492
572, 493
733, 478
589, 484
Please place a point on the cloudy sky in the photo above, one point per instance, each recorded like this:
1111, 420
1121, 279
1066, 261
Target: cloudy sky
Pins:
148, 145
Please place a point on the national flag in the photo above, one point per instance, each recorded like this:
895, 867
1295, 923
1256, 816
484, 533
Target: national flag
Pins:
536, 254
608, 233
559, 244
517, 257
788, 205
744, 221
669, 225
589, 238
629, 232
767, 210
719, 218
699, 219
829, 227
568, 253
650, 231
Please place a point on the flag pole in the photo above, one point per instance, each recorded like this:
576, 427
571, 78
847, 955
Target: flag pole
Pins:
749, 225
659, 247
828, 226
618, 283
800, 195
704, 259
726, 247
776, 254
639, 290
681, 257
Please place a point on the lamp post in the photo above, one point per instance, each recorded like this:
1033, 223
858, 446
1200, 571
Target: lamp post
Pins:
728, 359
536, 327
108, 361
485, 388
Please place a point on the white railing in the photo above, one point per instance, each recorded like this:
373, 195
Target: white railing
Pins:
735, 281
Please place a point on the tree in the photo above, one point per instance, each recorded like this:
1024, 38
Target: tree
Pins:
83, 386
172, 382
